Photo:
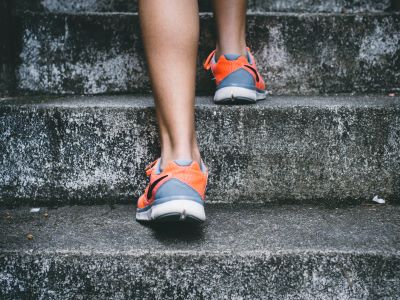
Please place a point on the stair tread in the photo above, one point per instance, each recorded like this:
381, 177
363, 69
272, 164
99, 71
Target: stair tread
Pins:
240, 229
139, 101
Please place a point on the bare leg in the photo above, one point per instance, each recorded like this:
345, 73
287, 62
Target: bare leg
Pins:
170, 30
230, 17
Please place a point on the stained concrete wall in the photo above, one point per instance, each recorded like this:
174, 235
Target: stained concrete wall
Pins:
296, 53
287, 149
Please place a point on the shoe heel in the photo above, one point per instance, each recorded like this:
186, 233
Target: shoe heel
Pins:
179, 210
234, 94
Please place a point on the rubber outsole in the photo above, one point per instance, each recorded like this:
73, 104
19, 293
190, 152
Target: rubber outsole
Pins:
174, 218
179, 210
238, 95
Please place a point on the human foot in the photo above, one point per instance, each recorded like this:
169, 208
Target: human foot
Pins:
237, 78
175, 193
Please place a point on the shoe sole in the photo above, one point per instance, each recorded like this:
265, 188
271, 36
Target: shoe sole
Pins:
174, 211
238, 95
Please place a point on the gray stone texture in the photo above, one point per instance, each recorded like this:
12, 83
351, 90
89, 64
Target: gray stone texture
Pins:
257, 252
323, 150
340, 6
297, 53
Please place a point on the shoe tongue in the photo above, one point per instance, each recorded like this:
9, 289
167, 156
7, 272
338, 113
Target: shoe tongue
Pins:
183, 162
232, 56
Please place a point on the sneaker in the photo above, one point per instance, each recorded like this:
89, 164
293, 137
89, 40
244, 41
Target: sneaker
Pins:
237, 78
175, 193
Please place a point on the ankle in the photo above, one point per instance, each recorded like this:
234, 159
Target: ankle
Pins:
237, 49
168, 156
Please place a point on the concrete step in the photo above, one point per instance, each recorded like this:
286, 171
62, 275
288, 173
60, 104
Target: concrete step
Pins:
297, 53
72, 6
252, 252
321, 150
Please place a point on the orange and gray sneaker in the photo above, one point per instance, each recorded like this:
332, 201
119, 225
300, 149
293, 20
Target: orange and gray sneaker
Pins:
237, 78
175, 193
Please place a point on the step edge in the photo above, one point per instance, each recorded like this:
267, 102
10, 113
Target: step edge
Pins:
140, 252
204, 15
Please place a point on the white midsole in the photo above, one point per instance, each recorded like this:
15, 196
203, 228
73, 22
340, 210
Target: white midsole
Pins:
232, 92
181, 206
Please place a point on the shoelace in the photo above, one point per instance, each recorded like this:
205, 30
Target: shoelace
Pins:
150, 166
207, 62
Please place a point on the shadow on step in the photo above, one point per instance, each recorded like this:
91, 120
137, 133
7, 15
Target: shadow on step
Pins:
169, 232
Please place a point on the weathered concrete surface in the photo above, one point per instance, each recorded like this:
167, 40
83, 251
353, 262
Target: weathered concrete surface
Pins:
297, 53
7, 47
206, 5
323, 150
287, 252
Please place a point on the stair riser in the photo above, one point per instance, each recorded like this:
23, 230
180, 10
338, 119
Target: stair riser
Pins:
297, 54
206, 5
289, 154
198, 276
